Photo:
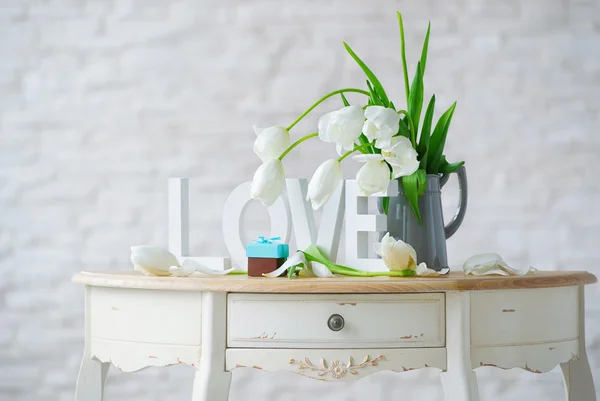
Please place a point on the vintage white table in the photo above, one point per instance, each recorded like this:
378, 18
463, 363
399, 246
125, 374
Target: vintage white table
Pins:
335, 328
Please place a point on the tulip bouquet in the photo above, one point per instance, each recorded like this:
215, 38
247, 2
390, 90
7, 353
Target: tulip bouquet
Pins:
387, 139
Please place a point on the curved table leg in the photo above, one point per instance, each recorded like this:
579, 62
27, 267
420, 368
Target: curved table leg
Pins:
90, 382
212, 382
459, 380
579, 382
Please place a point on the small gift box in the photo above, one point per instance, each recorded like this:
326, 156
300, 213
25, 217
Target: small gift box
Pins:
266, 255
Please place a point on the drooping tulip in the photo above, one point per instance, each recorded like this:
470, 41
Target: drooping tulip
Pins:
268, 182
374, 176
271, 142
381, 124
396, 254
324, 182
401, 156
152, 260
342, 127
297, 259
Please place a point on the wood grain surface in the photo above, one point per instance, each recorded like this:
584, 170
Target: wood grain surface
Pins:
454, 281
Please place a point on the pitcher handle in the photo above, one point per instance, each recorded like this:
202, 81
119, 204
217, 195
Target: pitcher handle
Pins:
458, 217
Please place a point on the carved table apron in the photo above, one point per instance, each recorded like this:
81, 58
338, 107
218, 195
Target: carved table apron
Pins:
335, 328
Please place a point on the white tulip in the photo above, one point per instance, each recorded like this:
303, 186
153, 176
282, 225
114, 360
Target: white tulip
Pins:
320, 270
424, 271
271, 142
381, 125
297, 259
342, 127
396, 254
324, 182
401, 156
152, 260
268, 182
374, 176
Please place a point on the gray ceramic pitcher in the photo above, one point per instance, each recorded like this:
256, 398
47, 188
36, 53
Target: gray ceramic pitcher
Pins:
429, 239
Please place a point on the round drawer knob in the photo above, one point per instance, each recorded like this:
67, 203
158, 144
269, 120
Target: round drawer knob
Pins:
335, 322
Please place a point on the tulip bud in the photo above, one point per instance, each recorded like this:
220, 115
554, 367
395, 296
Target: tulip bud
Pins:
271, 142
268, 182
324, 182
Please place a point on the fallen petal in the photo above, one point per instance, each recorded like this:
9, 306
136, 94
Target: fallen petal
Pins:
195, 266
294, 260
424, 271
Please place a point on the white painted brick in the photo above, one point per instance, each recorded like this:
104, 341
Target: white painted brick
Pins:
102, 101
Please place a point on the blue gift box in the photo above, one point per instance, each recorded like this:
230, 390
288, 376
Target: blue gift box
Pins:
267, 248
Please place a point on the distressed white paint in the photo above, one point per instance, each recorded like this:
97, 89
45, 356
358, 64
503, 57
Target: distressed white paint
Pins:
459, 381
521, 317
537, 358
359, 223
300, 320
579, 383
398, 360
212, 380
130, 356
233, 222
92, 372
134, 328
150, 316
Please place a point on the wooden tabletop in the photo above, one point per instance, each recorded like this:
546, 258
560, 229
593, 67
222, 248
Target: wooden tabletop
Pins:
454, 281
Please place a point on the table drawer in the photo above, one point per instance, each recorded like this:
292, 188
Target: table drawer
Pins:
301, 320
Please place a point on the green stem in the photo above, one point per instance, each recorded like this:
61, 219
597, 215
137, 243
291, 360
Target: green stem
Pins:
413, 136
361, 273
348, 153
321, 100
298, 142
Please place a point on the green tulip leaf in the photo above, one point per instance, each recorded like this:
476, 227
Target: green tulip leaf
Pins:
415, 98
425, 48
438, 141
411, 189
403, 130
376, 84
423, 146
344, 100
403, 55
449, 168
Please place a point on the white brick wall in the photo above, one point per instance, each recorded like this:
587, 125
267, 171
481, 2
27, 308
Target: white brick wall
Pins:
101, 101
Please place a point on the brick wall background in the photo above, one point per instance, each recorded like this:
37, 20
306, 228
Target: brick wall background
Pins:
102, 101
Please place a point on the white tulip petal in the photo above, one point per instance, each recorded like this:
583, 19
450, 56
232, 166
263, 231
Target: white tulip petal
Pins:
294, 260
324, 182
373, 177
268, 182
492, 263
271, 142
423, 271
342, 127
381, 124
153, 259
367, 157
396, 254
320, 270
181, 271
191, 264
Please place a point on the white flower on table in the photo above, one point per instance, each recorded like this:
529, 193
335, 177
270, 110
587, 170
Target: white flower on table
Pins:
398, 255
298, 259
271, 142
381, 124
342, 127
155, 261
324, 182
374, 176
268, 182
